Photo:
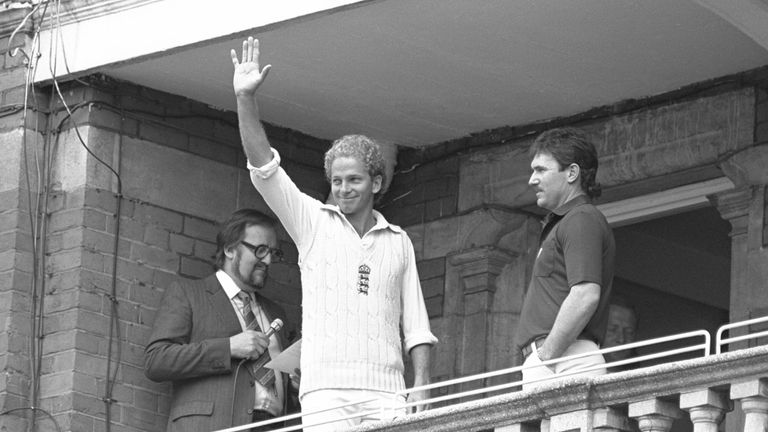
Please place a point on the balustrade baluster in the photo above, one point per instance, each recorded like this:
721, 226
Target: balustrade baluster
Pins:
753, 396
706, 407
654, 415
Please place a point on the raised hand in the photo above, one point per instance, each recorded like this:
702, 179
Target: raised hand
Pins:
248, 76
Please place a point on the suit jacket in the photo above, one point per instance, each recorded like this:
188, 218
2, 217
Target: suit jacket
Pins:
189, 346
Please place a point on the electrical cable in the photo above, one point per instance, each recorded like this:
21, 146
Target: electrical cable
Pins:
36, 219
15, 51
114, 320
114, 325
53, 420
41, 215
38, 226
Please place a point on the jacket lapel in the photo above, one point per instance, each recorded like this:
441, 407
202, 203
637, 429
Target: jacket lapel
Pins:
222, 305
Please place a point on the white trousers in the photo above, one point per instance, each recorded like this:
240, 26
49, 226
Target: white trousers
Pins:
540, 374
384, 406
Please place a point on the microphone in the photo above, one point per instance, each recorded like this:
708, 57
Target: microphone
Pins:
275, 327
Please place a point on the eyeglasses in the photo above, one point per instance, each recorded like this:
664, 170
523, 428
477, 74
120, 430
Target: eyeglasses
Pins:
262, 250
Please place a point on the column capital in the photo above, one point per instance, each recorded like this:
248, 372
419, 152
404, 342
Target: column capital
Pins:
747, 171
752, 388
755, 404
478, 268
654, 414
733, 206
706, 407
485, 254
705, 397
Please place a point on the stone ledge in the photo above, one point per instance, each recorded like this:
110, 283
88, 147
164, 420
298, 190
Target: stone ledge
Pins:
571, 394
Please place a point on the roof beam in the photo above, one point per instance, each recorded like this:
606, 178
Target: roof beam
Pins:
120, 31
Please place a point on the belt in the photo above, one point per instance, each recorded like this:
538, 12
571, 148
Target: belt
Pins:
527, 349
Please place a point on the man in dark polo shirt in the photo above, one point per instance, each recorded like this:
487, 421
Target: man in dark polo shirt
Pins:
565, 311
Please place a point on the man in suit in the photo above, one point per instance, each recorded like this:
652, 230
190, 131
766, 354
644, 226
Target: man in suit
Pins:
209, 337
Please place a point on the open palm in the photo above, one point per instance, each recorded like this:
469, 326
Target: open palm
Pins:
248, 76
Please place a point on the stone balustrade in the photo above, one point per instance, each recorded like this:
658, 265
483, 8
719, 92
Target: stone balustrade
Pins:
647, 399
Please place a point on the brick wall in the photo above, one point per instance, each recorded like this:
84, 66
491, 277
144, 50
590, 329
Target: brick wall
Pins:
181, 172
16, 257
422, 191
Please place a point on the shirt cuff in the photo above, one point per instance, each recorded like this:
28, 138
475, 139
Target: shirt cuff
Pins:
422, 337
268, 169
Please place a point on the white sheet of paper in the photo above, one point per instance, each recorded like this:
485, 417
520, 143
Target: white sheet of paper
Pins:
288, 360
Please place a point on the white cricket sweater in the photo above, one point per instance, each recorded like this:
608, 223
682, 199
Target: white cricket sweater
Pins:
349, 339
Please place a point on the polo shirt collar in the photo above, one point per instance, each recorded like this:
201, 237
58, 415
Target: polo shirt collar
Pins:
558, 213
565, 208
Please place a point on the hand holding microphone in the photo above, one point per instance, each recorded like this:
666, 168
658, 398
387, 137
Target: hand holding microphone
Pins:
252, 344
274, 327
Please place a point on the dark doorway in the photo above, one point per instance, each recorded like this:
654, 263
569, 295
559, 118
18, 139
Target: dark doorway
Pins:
675, 272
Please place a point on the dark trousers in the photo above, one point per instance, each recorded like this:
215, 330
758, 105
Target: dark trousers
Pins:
259, 415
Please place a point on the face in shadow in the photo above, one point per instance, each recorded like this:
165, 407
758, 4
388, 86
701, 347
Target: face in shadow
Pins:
622, 325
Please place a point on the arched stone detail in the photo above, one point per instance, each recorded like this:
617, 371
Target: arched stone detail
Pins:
493, 227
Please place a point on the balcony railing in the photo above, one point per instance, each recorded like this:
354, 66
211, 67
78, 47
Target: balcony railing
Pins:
703, 389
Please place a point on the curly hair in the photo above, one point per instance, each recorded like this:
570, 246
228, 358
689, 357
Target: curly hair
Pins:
570, 146
363, 149
233, 231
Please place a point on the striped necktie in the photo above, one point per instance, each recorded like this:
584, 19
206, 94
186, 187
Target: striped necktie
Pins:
264, 375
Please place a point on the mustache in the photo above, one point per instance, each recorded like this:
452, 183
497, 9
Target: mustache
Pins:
261, 266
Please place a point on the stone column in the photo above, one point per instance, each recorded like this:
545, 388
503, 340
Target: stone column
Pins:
654, 415
753, 396
745, 208
477, 270
706, 407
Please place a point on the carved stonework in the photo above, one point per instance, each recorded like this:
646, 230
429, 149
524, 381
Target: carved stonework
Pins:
635, 147
748, 167
733, 206
479, 268
471, 278
745, 209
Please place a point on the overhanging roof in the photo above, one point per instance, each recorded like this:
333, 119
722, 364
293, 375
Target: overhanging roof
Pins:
417, 72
